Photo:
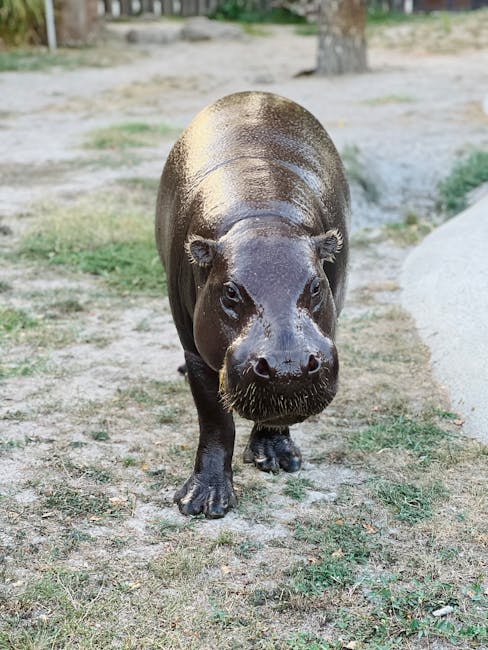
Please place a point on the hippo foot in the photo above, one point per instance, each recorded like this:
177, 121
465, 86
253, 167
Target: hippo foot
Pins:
269, 450
199, 495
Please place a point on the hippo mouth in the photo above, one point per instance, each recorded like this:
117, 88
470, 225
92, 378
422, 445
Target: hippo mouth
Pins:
281, 403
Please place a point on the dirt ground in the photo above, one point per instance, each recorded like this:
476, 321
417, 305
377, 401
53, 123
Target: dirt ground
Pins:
386, 523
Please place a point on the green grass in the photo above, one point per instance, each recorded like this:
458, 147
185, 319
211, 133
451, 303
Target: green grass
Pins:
297, 487
342, 548
409, 231
244, 11
142, 184
358, 173
389, 99
21, 21
168, 414
68, 306
23, 368
465, 176
393, 612
129, 134
13, 320
408, 502
76, 503
166, 528
10, 445
306, 29
101, 236
99, 436
420, 436
5, 286
253, 29
35, 59
375, 18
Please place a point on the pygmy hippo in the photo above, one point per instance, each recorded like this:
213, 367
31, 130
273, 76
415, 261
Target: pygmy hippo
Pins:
251, 227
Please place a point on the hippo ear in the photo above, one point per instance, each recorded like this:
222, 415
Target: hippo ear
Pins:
201, 251
328, 245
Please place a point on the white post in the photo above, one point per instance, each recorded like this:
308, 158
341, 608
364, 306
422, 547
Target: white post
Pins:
51, 31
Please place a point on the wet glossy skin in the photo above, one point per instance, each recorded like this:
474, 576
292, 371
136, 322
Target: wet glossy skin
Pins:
253, 189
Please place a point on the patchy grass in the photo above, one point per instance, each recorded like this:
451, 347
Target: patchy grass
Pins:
13, 320
255, 29
24, 367
342, 547
420, 436
74, 502
409, 231
389, 99
358, 173
297, 487
440, 32
408, 502
393, 615
148, 186
129, 134
5, 286
465, 176
100, 435
67, 306
34, 59
103, 236
307, 29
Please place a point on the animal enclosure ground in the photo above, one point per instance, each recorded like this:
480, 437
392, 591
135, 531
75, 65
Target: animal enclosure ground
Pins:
385, 525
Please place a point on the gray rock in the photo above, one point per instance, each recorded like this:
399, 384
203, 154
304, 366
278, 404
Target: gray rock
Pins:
204, 29
445, 288
153, 35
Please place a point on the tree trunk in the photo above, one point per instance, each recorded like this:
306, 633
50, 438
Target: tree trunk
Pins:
342, 41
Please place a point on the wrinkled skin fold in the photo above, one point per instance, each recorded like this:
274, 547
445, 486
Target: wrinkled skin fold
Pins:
251, 227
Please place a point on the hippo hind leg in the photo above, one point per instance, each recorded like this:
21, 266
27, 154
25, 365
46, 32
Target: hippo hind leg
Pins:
269, 449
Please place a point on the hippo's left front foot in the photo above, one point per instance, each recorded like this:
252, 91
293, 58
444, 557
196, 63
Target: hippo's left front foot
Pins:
199, 495
270, 449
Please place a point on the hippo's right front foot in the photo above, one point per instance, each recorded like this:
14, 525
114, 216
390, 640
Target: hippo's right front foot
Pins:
212, 497
270, 449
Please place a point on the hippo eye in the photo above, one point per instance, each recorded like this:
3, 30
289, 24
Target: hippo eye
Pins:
230, 299
316, 295
315, 287
231, 292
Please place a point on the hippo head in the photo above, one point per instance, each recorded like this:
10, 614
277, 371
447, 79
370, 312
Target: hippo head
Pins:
265, 318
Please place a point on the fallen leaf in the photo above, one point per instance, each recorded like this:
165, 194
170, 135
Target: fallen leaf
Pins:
370, 530
117, 501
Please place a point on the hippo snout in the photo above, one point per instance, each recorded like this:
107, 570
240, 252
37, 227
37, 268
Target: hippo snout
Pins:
280, 387
291, 366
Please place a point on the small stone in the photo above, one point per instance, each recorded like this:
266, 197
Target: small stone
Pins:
443, 611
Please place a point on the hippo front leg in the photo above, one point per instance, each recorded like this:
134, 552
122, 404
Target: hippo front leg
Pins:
271, 448
209, 489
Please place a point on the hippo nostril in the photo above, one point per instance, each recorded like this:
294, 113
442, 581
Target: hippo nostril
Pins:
262, 369
313, 364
